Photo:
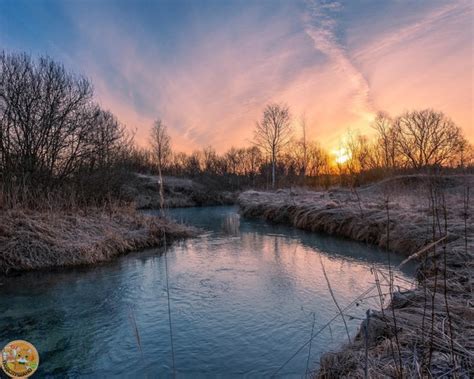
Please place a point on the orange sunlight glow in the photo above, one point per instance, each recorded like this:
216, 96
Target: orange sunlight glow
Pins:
341, 155
213, 96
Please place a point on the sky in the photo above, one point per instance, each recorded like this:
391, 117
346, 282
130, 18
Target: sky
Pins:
208, 68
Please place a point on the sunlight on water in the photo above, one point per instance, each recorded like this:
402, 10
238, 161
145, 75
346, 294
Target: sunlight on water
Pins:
243, 298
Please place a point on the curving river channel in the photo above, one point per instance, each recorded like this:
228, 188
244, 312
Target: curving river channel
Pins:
244, 297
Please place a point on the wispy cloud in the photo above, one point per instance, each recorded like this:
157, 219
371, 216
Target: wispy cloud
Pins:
425, 61
208, 71
321, 25
214, 94
391, 39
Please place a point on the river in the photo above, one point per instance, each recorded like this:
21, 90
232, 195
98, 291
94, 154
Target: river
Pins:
245, 296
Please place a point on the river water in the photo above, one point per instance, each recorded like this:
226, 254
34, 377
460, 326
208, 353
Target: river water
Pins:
244, 296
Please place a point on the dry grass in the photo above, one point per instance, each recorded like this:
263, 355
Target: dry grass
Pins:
58, 238
178, 193
435, 321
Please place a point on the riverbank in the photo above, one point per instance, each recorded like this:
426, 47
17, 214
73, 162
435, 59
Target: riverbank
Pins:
40, 239
143, 191
424, 331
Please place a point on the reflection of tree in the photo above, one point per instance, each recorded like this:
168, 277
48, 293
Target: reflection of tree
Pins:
253, 242
281, 278
231, 224
273, 249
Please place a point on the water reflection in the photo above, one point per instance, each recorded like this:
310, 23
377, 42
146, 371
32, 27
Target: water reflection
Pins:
244, 297
231, 224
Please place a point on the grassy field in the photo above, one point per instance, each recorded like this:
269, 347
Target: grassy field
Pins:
37, 239
143, 190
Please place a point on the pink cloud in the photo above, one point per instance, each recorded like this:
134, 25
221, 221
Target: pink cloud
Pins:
216, 90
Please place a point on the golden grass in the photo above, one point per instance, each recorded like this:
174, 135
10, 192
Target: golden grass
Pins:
143, 190
36, 239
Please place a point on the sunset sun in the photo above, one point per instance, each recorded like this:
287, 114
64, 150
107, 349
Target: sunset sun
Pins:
341, 155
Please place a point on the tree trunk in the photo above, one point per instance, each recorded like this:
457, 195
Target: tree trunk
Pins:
273, 171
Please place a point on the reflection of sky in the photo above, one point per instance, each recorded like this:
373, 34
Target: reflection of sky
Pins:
208, 67
242, 303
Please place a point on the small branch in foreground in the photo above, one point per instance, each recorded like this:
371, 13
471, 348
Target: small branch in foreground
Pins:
310, 343
446, 302
131, 316
334, 299
366, 334
390, 272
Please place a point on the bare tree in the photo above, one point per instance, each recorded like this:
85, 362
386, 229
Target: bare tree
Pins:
273, 132
178, 163
386, 139
232, 159
304, 144
428, 137
466, 156
47, 118
305, 158
53, 134
210, 161
318, 160
358, 150
194, 163
161, 144
108, 140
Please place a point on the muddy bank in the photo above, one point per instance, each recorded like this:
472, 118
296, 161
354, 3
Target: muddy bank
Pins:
32, 240
143, 190
426, 331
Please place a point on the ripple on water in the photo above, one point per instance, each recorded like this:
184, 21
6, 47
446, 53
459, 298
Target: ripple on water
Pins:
244, 296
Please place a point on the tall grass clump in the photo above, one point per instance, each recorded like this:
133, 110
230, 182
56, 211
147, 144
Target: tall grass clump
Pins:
55, 237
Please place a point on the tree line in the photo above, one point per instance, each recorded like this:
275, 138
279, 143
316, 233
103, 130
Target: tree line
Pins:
53, 134
414, 141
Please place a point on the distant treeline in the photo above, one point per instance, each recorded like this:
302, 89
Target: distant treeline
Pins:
416, 141
54, 136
